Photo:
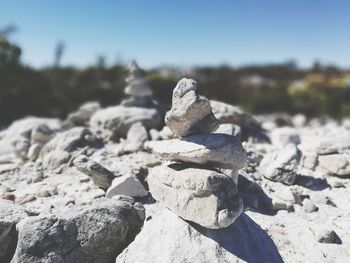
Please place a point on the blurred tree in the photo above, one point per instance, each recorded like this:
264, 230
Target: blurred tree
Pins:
59, 51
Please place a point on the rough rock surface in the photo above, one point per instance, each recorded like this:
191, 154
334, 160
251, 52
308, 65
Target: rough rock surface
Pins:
281, 165
67, 141
226, 113
206, 197
219, 150
10, 215
114, 122
177, 241
94, 233
83, 114
280, 137
190, 113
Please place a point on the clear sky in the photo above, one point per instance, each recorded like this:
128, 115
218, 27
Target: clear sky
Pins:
181, 32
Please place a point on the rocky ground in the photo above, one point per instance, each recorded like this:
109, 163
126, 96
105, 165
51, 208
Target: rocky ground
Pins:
117, 184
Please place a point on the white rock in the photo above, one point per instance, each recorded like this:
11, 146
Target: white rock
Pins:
166, 238
126, 185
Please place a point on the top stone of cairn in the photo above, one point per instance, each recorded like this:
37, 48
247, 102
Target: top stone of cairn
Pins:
137, 85
190, 113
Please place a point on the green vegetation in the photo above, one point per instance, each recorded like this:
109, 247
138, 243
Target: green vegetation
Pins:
57, 90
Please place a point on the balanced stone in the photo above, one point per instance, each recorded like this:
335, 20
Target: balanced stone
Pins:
206, 197
219, 150
190, 112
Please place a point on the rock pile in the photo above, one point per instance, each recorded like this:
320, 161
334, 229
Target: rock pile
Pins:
140, 94
113, 123
193, 185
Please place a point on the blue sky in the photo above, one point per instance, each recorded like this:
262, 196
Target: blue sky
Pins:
182, 33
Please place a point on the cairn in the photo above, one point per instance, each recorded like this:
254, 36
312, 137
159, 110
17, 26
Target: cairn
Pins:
193, 181
140, 94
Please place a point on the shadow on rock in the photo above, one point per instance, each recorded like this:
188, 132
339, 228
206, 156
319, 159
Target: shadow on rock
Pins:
245, 239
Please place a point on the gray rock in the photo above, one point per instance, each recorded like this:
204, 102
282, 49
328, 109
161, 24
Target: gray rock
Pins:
94, 233
166, 238
280, 137
327, 236
84, 113
10, 215
23, 128
114, 122
67, 141
126, 185
281, 165
326, 144
54, 159
226, 113
135, 137
189, 113
100, 175
34, 151
206, 197
219, 150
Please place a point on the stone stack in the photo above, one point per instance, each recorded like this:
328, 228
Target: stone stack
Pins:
140, 94
114, 122
194, 182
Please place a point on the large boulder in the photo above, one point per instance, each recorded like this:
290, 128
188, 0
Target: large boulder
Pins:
114, 122
166, 238
219, 150
206, 197
94, 233
190, 112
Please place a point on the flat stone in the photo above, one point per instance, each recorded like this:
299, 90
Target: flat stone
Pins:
206, 197
189, 113
219, 150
